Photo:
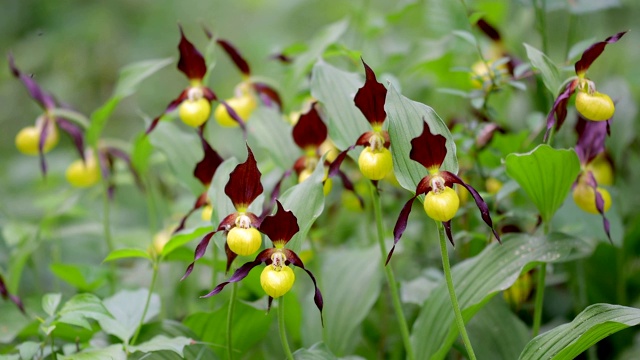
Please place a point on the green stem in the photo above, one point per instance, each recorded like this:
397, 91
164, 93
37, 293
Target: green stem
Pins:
393, 287
154, 277
537, 312
282, 330
106, 226
232, 303
452, 293
541, 9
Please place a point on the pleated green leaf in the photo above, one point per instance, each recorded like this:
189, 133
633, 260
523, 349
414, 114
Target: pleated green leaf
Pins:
546, 175
269, 132
567, 341
548, 70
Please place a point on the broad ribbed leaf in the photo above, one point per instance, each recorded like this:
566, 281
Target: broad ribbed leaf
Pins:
406, 119
113, 352
548, 70
127, 308
184, 237
50, 303
567, 341
546, 175
477, 279
81, 307
269, 132
81, 276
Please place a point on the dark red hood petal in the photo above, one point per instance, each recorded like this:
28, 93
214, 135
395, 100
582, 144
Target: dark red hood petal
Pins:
293, 258
559, 110
370, 98
45, 99
207, 167
235, 56
310, 130
191, 62
428, 149
281, 226
592, 53
267, 94
591, 138
244, 182
488, 30
242, 271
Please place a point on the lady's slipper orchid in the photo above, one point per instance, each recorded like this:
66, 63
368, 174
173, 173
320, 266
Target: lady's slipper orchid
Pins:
591, 104
242, 188
39, 139
375, 160
441, 201
280, 228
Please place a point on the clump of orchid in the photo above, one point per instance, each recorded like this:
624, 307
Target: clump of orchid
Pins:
441, 202
277, 277
375, 160
591, 104
243, 238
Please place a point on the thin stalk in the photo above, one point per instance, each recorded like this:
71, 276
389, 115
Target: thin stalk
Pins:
106, 226
452, 293
393, 287
282, 330
232, 303
154, 277
541, 9
622, 276
537, 312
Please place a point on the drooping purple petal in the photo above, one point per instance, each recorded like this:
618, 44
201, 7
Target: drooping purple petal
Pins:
293, 258
335, 165
200, 251
201, 201
447, 230
191, 61
230, 257
488, 30
234, 115
45, 99
115, 152
591, 138
592, 53
558, 112
4, 293
371, 97
172, 106
242, 272
235, 56
348, 185
428, 149
599, 203
281, 226
401, 225
267, 94
207, 167
482, 205
75, 132
244, 182
310, 130
44, 135
269, 303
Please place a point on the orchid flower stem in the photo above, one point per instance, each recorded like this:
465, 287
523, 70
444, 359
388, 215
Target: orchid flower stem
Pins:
537, 312
154, 277
282, 330
393, 287
452, 294
232, 305
106, 227
541, 12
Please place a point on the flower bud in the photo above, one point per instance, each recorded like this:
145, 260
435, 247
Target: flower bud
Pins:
194, 112
596, 106
585, 198
277, 281
375, 164
244, 241
443, 205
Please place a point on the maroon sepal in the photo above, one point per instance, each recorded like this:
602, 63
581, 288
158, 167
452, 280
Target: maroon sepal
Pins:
45, 99
592, 53
44, 134
201, 201
293, 258
172, 106
207, 167
482, 205
230, 257
244, 182
269, 303
559, 110
282, 57
591, 181
591, 138
371, 97
488, 30
335, 165
281, 226
235, 56
4, 293
267, 94
428, 149
117, 153
191, 61
310, 130
234, 115
243, 271
200, 250
74, 132
447, 230
401, 225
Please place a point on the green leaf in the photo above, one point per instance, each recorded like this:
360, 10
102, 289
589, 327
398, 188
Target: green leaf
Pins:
335, 89
81, 307
133, 74
12, 322
546, 175
127, 253
477, 279
127, 308
162, 342
272, 134
548, 70
29, 349
141, 153
83, 277
318, 351
406, 119
567, 341
184, 237
99, 120
113, 352
50, 303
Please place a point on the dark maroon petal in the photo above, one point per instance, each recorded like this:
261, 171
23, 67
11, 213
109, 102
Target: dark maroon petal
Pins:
267, 94
599, 203
488, 30
207, 167
285, 59
559, 110
230, 257
281, 226
235, 56
209, 94
201, 201
44, 134
484, 208
428, 149
591, 138
75, 132
244, 182
234, 115
242, 272
293, 258
200, 250
191, 62
335, 165
310, 130
42, 97
172, 106
370, 98
447, 229
269, 303
349, 186
592, 53
401, 225
364, 139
